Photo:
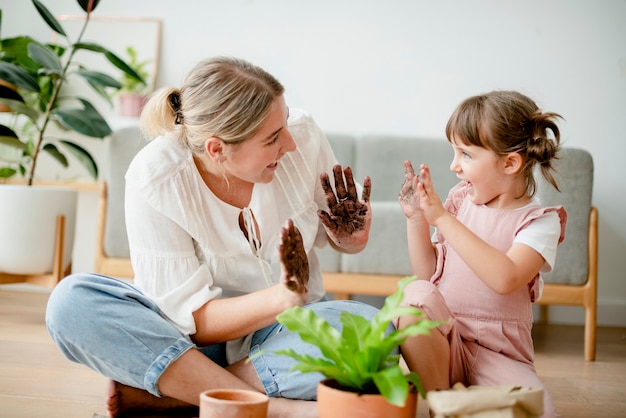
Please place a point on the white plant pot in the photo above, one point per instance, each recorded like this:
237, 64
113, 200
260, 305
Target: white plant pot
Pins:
28, 226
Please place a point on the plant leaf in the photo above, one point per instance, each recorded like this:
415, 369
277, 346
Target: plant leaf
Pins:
18, 76
86, 121
10, 93
10, 138
89, 46
98, 78
49, 18
84, 4
112, 57
392, 384
46, 57
83, 156
101, 92
122, 65
312, 329
417, 382
56, 154
7, 172
21, 108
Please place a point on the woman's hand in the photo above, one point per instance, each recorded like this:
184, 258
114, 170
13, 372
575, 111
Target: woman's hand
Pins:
349, 219
294, 264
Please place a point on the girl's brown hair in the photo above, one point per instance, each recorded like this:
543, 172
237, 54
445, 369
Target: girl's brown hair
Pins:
506, 122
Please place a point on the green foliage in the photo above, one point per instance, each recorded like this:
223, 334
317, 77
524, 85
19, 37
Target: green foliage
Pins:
131, 84
38, 71
363, 356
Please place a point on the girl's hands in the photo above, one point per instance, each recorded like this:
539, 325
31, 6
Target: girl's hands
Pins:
294, 264
419, 196
409, 194
349, 219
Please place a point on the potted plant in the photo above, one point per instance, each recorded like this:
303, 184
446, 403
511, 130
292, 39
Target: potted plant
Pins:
134, 92
40, 71
362, 361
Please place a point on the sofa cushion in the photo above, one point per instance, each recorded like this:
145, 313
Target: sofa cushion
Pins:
382, 157
386, 251
575, 179
343, 147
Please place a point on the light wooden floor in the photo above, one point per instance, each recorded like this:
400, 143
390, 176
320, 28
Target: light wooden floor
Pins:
37, 381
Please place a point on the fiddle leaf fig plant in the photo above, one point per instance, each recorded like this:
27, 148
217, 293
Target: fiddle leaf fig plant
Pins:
363, 357
35, 74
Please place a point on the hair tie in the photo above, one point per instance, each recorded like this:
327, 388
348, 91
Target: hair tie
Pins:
174, 99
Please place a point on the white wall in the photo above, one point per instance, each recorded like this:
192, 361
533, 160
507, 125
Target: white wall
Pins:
401, 66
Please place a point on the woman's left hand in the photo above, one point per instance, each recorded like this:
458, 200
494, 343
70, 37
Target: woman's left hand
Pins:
349, 219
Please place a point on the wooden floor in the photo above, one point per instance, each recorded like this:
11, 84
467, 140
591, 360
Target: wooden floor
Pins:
37, 381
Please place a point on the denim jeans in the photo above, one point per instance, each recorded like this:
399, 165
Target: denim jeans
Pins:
110, 326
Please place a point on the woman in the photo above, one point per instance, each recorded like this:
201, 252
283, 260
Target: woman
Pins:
223, 210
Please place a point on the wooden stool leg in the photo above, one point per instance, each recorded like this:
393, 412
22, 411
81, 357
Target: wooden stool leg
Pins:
59, 252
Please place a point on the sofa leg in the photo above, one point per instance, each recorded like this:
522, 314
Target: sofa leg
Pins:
590, 334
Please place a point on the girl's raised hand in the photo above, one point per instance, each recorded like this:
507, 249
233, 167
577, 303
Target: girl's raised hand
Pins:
349, 219
294, 263
409, 195
429, 201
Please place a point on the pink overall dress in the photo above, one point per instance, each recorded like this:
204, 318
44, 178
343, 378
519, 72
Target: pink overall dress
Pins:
489, 333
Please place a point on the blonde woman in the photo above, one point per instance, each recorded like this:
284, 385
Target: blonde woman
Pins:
224, 209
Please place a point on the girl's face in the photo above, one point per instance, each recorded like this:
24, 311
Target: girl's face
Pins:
256, 159
483, 169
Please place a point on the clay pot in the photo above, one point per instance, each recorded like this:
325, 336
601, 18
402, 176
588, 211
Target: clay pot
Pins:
333, 402
131, 104
233, 403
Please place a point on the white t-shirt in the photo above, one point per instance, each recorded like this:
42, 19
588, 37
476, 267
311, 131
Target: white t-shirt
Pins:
186, 244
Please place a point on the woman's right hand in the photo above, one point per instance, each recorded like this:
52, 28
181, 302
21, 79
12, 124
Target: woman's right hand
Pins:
294, 265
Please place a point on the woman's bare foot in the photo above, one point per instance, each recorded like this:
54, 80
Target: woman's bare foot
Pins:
121, 398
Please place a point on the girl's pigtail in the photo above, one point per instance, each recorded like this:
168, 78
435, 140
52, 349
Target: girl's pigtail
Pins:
543, 143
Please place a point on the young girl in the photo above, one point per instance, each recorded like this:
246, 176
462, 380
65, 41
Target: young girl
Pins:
493, 238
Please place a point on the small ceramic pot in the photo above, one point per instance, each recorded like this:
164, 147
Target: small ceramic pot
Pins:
233, 403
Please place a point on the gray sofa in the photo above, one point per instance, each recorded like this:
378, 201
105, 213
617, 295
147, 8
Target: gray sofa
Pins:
376, 270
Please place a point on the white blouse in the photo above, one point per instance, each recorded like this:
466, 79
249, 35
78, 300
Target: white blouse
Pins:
186, 244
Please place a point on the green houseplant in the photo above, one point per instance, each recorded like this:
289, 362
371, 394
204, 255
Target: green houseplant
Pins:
363, 357
129, 83
37, 74
40, 71
134, 93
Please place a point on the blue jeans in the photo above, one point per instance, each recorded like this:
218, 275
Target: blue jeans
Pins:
112, 327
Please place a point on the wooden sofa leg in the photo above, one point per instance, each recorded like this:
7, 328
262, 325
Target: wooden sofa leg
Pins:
590, 334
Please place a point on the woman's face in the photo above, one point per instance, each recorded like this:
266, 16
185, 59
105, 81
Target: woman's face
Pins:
256, 159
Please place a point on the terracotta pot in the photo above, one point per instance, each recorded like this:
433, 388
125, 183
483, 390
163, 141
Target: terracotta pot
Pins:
333, 402
131, 104
233, 403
